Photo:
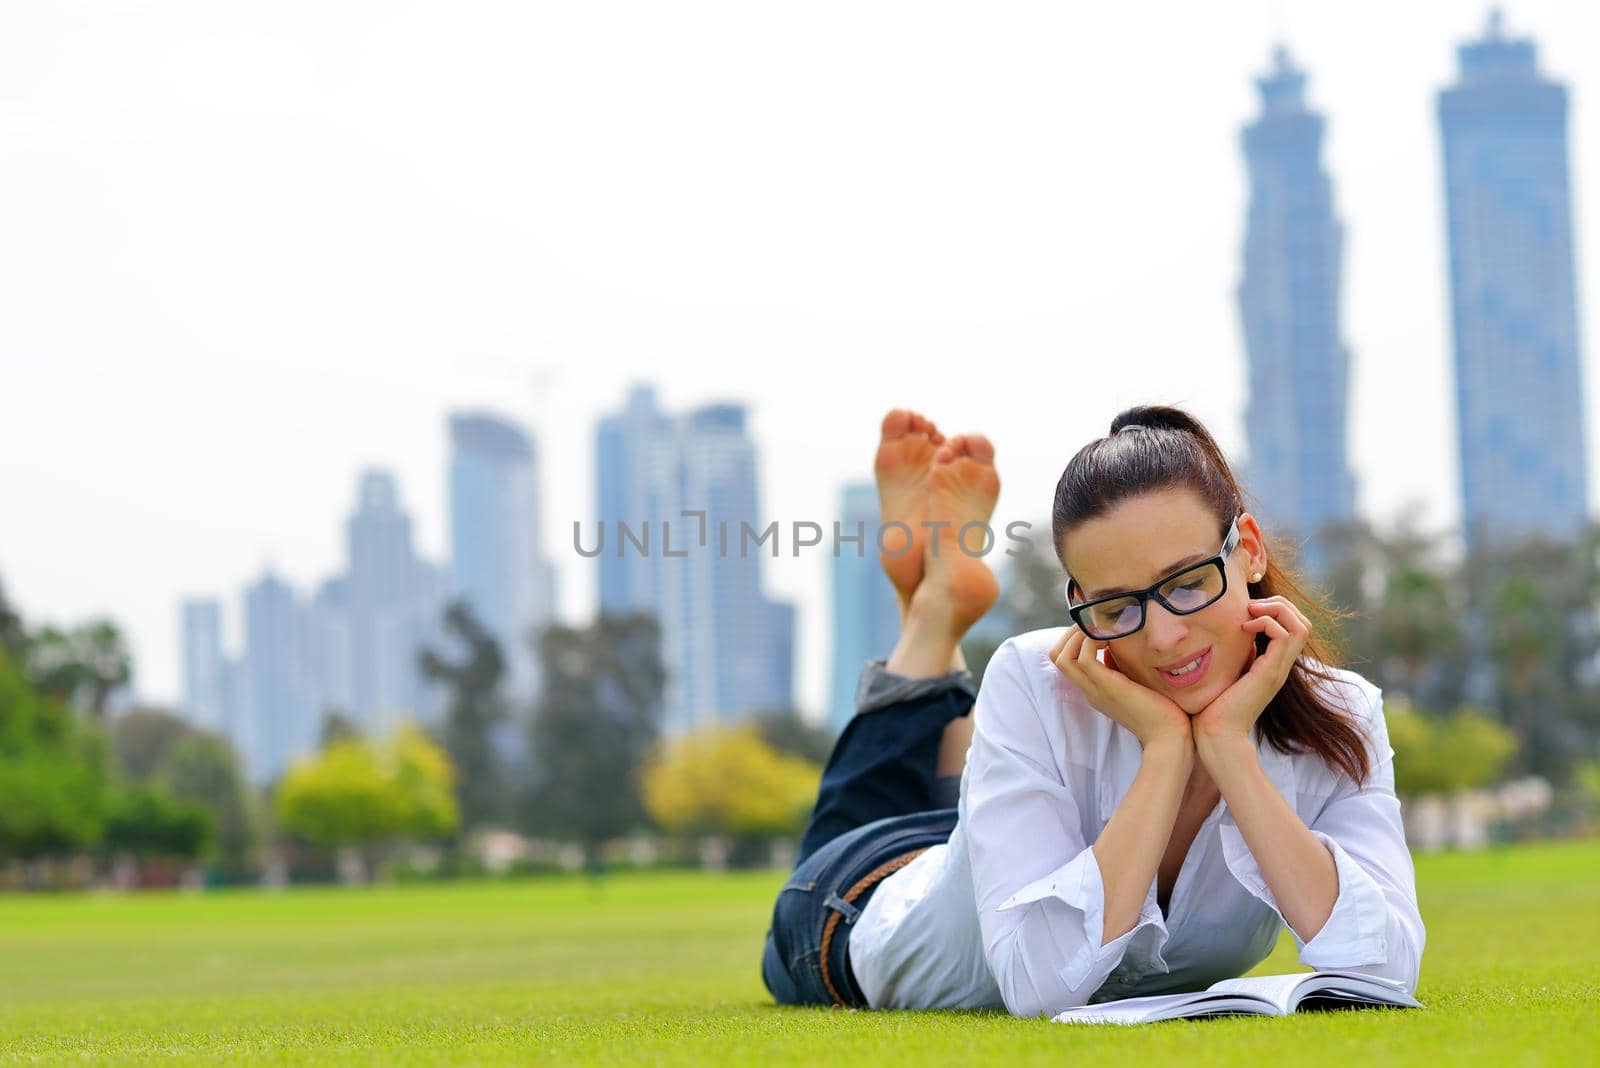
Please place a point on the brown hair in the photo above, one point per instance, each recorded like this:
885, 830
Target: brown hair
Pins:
1153, 447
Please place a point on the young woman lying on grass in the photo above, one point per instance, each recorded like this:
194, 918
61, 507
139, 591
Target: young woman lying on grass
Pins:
1139, 802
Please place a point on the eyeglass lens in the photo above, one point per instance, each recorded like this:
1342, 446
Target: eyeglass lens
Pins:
1186, 592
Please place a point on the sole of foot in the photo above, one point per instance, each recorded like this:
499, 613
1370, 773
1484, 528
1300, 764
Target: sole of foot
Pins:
962, 487
905, 454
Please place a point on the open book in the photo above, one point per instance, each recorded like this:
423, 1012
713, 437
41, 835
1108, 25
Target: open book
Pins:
1260, 995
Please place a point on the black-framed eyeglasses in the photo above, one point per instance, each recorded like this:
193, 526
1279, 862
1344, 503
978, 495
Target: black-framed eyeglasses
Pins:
1180, 593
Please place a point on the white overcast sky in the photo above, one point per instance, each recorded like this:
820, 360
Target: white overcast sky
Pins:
246, 250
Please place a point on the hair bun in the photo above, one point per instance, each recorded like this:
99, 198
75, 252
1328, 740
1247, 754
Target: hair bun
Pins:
1152, 417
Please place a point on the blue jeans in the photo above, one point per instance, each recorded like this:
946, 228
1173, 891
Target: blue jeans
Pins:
880, 798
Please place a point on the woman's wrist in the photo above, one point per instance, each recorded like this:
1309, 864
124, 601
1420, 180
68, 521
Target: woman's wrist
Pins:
1222, 754
1173, 750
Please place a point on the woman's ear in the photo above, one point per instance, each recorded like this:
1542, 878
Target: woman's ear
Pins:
1254, 543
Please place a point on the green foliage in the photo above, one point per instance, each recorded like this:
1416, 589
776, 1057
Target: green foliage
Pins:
82, 666
728, 780
141, 740
13, 638
201, 767
149, 822
596, 721
475, 709
1513, 628
1466, 750
356, 793
51, 803
52, 773
159, 750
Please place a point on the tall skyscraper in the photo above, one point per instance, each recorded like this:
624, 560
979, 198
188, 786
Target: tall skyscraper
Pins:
496, 552
634, 469
727, 648
1519, 406
1289, 303
281, 715
393, 606
205, 665
866, 619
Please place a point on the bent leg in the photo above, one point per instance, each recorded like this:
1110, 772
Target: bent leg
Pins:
885, 762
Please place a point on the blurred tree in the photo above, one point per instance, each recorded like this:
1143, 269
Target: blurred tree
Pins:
141, 740
13, 636
476, 707
52, 773
337, 726
1416, 625
424, 785
157, 749
202, 767
786, 732
341, 796
1539, 638
598, 716
354, 793
1353, 580
728, 780
1466, 750
146, 821
83, 666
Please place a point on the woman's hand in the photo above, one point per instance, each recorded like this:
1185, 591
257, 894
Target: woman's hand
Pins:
1228, 719
1149, 715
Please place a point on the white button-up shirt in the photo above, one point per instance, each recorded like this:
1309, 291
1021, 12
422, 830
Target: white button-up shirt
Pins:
1009, 912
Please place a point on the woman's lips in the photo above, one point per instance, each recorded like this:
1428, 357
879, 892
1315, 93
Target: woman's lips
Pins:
1179, 682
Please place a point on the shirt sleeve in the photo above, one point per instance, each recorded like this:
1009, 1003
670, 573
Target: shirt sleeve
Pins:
1375, 927
1037, 884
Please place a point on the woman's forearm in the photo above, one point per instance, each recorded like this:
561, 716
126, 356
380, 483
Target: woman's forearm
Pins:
1130, 848
1299, 869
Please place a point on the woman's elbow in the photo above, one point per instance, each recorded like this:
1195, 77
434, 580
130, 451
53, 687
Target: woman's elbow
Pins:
1026, 997
1402, 956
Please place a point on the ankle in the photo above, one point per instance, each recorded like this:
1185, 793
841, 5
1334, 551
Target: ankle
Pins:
930, 636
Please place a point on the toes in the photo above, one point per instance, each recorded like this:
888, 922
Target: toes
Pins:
897, 423
972, 446
980, 448
923, 425
901, 422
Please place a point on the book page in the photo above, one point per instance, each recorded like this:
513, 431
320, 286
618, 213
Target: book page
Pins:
1161, 1007
1286, 991
1277, 989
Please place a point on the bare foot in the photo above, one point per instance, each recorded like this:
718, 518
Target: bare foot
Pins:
963, 486
905, 454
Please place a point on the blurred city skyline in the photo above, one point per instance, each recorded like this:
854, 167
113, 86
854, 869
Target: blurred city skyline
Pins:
251, 254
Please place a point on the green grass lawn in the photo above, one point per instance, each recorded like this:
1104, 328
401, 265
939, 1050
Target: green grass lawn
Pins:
664, 968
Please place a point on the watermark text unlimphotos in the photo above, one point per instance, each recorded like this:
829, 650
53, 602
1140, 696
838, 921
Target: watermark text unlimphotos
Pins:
678, 538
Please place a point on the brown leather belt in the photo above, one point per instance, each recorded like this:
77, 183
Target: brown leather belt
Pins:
867, 882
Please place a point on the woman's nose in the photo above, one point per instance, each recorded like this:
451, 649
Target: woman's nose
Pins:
1167, 632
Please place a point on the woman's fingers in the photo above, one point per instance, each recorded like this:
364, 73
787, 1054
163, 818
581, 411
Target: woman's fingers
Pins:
1285, 611
1061, 643
1283, 647
1086, 653
1065, 653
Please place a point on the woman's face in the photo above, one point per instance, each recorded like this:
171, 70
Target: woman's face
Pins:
1143, 540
